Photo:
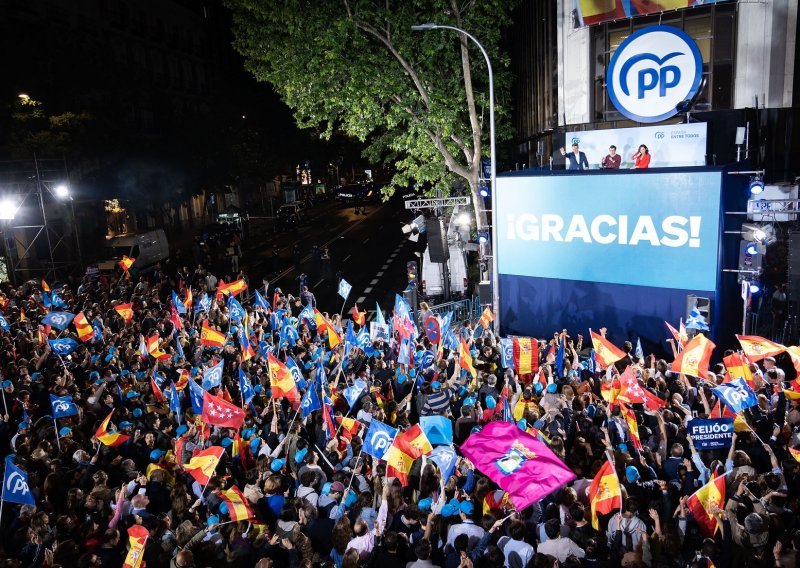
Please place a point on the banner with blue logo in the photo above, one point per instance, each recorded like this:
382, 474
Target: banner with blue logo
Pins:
63, 406
212, 377
736, 395
15, 486
711, 434
378, 439
58, 320
663, 228
310, 401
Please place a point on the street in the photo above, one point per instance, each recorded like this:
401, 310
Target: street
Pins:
369, 250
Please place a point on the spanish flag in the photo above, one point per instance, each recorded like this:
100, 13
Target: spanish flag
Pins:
203, 464
359, 317
350, 426
333, 337
183, 379
680, 336
605, 352
187, 300
45, 287
487, 317
791, 395
598, 11
694, 358
83, 327
794, 354
281, 379
137, 537
320, 321
712, 493
22, 318
526, 354
604, 493
757, 348
234, 288
110, 439
465, 359
210, 337
153, 348
125, 311
721, 411
238, 507
633, 426
126, 263
406, 448
738, 367
795, 454
610, 391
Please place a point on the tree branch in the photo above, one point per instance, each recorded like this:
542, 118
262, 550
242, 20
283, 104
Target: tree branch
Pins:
470, 93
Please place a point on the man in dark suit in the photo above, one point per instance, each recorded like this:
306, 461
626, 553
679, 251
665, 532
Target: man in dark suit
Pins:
576, 160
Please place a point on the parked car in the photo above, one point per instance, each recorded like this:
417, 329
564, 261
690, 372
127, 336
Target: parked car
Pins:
148, 249
290, 215
357, 193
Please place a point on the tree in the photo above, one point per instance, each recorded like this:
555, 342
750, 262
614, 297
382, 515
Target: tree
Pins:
31, 130
419, 99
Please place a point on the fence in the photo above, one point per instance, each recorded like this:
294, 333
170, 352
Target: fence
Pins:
468, 308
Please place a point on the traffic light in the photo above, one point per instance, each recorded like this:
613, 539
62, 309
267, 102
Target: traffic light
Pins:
411, 270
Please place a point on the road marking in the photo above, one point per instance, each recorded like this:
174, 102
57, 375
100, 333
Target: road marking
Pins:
366, 240
321, 280
373, 281
361, 300
370, 315
368, 290
379, 274
345, 258
385, 266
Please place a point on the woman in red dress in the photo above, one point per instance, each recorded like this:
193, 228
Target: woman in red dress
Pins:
641, 159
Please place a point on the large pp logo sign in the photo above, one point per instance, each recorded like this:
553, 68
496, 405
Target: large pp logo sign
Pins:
652, 71
380, 441
15, 483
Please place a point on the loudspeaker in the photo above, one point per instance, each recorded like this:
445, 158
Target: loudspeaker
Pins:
437, 240
485, 293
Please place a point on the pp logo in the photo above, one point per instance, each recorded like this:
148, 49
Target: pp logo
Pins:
576, 140
659, 135
16, 484
58, 320
61, 407
652, 72
380, 441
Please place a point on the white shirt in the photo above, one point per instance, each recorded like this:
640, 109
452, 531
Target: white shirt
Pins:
631, 525
473, 531
561, 548
522, 548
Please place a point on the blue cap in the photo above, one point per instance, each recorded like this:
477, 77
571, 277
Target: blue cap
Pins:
156, 455
132, 394
401, 379
623, 448
22, 425
226, 442
631, 473
412, 373
449, 510
137, 412
94, 375
124, 372
254, 444
490, 402
538, 388
300, 455
552, 388
470, 400
5, 384
125, 424
257, 389
326, 489
522, 424
277, 464
65, 431
466, 507
350, 499
591, 410
223, 508
181, 430
436, 385
475, 430
36, 376
212, 520
247, 433
425, 504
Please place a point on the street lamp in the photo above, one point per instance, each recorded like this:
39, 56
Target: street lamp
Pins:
23, 96
492, 158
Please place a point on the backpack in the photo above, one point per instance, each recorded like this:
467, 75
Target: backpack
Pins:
622, 540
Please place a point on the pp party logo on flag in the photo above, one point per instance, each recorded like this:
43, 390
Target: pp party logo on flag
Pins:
344, 288
15, 486
514, 458
212, 377
379, 437
507, 352
58, 320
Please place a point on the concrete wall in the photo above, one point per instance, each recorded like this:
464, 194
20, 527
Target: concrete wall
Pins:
574, 76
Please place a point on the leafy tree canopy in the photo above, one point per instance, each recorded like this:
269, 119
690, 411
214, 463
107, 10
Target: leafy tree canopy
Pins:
419, 99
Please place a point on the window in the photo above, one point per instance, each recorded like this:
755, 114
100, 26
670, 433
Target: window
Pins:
712, 28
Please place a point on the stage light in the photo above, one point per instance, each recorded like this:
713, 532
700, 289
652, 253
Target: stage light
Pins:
484, 190
61, 191
756, 185
760, 234
464, 219
483, 237
8, 209
754, 288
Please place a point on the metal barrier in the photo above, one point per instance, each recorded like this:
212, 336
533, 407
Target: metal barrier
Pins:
461, 309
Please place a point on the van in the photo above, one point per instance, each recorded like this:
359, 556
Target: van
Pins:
148, 249
433, 273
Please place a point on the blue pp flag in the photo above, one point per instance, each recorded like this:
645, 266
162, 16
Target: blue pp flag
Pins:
260, 302
289, 333
310, 401
4, 323
401, 308
175, 400
63, 346
507, 353
179, 347
97, 327
378, 439
639, 351
426, 359
363, 340
350, 337
246, 387
178, 303
297, 374
212, 377
322, 382
344, 289
438, 430
379, 314
196, 397
354, 391
57, 302
203, 303
736, 395
560, 358
15, 486
58, 320
445, 459
63, 406
404, 356
235, 308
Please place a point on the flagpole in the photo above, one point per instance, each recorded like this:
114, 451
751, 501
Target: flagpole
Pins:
327, 461
5, 406
55, 427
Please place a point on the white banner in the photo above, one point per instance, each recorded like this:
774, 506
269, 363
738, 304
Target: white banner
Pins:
670, 145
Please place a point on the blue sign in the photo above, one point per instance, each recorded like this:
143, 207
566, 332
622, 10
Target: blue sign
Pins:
651, 229
652, 72
711, 434
15, 486
736, 395
378, 439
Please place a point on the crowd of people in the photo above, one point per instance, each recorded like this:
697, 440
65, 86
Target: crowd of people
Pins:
313, 497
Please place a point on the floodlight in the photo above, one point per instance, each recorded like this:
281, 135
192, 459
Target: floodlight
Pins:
756, 185
8, 209
61, 191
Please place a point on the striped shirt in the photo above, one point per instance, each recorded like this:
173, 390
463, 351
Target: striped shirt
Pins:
438, 402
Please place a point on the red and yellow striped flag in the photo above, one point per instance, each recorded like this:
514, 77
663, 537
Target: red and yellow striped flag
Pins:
281, 379
110, 439
487, 317
125, 311
465, 359
83, 327
153, 348
405, 448
604, 493
526, 354
359, 317
203, 464
238, 507
757, 348
126, 263
137, 537
605, 352
633, 426
45, 287
210, 337
795, 454
234, 288
350, 426
700, 503
695, 357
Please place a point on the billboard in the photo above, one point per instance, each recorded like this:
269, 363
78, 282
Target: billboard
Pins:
605, 248
670, 145
591, 12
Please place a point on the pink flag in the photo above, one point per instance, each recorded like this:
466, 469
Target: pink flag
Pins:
517, 462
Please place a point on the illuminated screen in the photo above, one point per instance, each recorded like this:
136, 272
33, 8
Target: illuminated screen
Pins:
643, 229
